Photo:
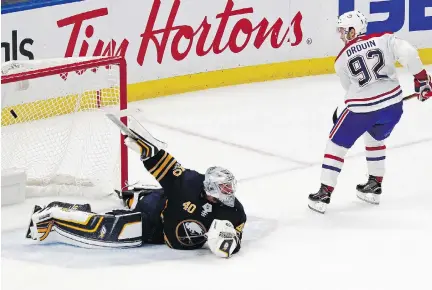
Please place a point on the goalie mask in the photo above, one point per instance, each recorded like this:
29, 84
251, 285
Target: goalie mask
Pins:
221, 184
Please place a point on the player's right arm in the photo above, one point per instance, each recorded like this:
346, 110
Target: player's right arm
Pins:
407, 55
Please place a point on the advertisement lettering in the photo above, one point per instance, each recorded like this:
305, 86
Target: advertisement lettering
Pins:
197, 38
277, 34
76, 21
12, 48
418, 21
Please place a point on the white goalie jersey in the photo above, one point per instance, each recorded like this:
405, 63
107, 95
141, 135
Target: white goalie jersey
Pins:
366, 67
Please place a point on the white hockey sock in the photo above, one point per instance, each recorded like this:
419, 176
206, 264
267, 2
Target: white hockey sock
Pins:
332, 164
375, 155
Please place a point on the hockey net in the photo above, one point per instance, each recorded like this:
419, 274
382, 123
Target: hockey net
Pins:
54, 125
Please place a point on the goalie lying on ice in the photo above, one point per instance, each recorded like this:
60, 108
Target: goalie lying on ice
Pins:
189, 210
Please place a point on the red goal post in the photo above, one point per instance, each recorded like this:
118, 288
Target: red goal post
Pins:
44, 101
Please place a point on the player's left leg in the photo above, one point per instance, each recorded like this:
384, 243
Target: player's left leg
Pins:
376, 153
371, 190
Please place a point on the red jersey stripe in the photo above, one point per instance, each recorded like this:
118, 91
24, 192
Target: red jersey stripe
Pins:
329, 156
376, 148
373, 98
338, 123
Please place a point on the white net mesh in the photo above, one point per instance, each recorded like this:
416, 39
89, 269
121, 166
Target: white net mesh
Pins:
54, 127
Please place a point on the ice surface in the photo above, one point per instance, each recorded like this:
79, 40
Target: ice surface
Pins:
272, 136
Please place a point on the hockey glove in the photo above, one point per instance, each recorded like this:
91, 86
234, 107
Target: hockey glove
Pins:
423, 85
222, 238
141, 146
131, 197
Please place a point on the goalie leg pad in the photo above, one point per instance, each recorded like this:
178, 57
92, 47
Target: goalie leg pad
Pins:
120, 229
71, 206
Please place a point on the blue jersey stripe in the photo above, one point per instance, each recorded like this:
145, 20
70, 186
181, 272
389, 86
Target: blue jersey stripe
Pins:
375, 158
331, 168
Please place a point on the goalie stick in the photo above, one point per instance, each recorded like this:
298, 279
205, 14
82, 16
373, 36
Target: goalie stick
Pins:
125, 130
135, 135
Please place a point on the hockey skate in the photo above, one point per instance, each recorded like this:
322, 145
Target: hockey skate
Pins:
370, 191
319, 201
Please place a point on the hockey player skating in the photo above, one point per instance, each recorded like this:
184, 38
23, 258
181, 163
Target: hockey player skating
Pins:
374, 99
189, 210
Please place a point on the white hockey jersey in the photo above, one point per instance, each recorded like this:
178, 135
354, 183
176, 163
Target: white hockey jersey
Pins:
366, 68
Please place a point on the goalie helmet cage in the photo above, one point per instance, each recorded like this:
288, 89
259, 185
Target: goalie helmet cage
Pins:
54, 126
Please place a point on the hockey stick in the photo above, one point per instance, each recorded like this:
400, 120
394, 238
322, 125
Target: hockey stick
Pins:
412, 96
415, 95
406, 98
136, 135
125, 130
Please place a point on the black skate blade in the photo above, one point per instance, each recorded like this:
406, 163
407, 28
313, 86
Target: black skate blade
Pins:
35, 209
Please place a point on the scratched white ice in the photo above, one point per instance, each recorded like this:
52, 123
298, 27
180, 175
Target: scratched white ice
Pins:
272, 136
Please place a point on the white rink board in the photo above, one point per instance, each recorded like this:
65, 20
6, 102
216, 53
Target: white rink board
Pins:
312, 32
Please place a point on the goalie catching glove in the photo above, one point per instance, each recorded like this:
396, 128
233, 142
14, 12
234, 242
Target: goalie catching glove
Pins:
222, 238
